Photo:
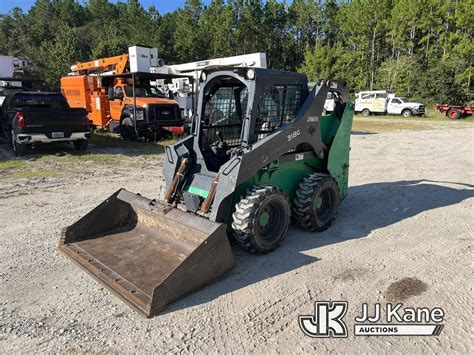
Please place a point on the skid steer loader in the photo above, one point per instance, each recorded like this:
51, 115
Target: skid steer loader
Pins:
260, 151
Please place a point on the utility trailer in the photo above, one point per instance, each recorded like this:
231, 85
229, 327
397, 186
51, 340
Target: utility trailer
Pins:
455, 112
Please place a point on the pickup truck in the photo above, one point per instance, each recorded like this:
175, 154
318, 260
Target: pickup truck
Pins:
368, 102
28, 118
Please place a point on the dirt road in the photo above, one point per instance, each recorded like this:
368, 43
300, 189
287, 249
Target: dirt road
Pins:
409, 214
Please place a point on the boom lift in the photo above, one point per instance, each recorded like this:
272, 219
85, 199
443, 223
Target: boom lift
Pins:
9, 66
117, 94
260, 147
183, 91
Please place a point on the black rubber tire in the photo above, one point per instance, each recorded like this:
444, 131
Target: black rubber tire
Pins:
316, 187
454, 114
249, 231
407, 113
18, 149
127, 130
81, 145
366, 112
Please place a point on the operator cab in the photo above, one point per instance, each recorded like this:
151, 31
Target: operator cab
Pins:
223, 110
126, 91
233, 113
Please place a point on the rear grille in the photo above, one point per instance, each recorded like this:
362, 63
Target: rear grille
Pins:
163, 113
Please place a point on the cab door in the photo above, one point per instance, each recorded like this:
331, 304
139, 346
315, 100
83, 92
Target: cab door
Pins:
116, 104
395, 106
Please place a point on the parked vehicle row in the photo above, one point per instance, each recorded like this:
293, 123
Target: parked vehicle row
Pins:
379, 102
382, 102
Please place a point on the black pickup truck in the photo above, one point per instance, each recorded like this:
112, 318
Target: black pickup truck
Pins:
28, 118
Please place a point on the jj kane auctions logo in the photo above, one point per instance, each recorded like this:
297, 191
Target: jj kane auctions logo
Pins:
328, 320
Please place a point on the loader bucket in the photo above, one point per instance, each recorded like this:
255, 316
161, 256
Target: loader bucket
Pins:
145, 252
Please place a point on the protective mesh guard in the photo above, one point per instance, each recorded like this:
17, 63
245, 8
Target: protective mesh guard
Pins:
278, 106
223, 115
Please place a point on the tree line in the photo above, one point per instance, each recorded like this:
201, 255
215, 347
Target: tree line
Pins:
422, 49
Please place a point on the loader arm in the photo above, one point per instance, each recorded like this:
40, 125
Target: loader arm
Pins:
305, 128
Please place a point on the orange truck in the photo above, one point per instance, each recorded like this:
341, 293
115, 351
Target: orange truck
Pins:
119, 97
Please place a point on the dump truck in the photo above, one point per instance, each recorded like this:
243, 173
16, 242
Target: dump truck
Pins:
115, 99
260, 154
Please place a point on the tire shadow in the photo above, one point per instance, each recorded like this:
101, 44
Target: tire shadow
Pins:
367, 208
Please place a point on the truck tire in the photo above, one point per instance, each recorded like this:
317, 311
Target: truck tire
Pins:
454, 114
366, 112
407, 113
261, 219
18, 148
316, 202
81, 145
127, 130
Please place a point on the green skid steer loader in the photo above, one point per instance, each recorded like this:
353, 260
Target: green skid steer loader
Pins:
260, 153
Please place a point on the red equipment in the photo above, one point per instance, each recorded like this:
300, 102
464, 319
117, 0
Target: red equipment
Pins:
455, 112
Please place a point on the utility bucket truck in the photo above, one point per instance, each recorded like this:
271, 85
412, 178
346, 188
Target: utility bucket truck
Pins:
382, 102
183, 91
117, 94
9, 66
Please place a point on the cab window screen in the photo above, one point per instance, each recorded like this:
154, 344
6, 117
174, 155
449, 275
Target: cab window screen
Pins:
224, 110
277, 107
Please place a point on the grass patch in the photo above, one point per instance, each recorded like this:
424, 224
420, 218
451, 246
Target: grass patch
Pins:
379, 127
102, 140
97, 158
33, 173
6, 165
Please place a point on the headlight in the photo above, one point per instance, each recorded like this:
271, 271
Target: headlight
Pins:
203, 76
140, 115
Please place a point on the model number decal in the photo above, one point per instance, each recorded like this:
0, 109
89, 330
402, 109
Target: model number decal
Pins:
293, 135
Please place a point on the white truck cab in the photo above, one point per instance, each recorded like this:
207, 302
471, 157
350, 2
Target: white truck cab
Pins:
383, 102
401, 106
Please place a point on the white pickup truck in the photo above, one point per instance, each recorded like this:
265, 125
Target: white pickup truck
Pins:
381, 102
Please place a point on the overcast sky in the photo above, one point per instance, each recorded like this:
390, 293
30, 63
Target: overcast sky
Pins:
163, 6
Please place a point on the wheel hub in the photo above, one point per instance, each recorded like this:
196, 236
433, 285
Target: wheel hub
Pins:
264, 218
318, 202
322, 204
266, 221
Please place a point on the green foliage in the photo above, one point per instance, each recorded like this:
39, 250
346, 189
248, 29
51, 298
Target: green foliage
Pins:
417, 48
56, 56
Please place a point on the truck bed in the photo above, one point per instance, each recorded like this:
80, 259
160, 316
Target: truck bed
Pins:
44, 120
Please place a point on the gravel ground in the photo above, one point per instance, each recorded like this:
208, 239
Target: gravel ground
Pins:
404, 234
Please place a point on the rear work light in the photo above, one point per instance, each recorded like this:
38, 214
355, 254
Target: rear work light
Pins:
20, 120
